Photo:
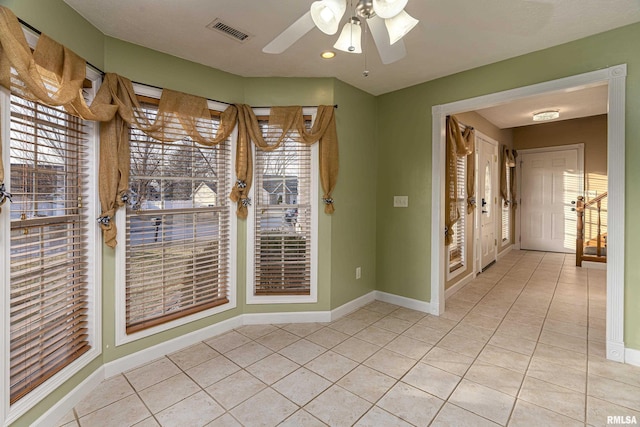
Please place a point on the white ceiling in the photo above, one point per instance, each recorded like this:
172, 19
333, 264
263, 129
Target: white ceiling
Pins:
585, 102
453, 35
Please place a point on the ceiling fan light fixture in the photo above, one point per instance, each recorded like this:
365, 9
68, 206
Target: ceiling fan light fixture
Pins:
326, 14
546, 115
388, 8
399, 26
350, 39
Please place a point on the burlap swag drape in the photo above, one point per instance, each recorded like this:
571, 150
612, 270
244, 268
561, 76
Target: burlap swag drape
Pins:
508, 166
54, 75
459, 143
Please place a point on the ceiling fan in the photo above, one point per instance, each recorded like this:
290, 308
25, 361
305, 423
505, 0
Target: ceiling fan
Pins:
387, 20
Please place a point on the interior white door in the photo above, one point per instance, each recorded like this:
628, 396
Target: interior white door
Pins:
487, 171
551, 181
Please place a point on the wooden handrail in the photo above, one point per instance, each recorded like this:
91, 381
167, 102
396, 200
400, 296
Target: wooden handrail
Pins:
580, 207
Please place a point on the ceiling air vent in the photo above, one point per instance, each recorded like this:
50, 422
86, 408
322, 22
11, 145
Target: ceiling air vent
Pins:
228, 30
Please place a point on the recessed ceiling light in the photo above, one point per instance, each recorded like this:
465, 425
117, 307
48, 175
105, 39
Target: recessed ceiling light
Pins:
546, 115
327, 54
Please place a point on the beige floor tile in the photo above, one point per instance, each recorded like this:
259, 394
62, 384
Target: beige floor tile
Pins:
460, 344
196, 410
393, 364
267, 408
624, 373
562, 376
272, 368
501, 379
212, 371
302, 329
519, 330
235, 389
453, 416
327, 337
614, 391
226, 420
519, 345
448, 360
69, 417
437, 322
166, 393
278, 339
411, 404
432, 380
381, 307
302, 418
124, 412
147, 422
368, 316
248, 354
555, 398
377, 336
356, 349
367, 383
302, 386
227, 342
567, 342
551, 354
473, 332
599, 410
192, 356
109, 391
526, 415
348, 326
152, 373
256, 331
331, 365
377, 417
483, 401
504, 358
393, 324
338, 407
424, 333
302, 351
408, 314
409, 347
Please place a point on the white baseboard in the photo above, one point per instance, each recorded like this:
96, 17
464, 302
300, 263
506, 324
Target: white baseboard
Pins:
632, 356
405, 302
71, 400
459, 285
152, 353
286, 317
353, 305
506, 251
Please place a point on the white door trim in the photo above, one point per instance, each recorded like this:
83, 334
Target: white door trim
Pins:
496, 188
579, 147
615, 78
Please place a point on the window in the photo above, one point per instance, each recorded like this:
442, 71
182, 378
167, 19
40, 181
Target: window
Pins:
283, 223
178, 231
457, 249
506, 211
51, 246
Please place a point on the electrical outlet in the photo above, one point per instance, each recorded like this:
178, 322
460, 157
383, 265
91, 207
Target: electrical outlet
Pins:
400, 201
358, 272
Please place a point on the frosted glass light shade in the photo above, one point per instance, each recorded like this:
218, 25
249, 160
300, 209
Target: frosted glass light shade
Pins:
350, 39
399, 26
546, 115
388, 8
326, 14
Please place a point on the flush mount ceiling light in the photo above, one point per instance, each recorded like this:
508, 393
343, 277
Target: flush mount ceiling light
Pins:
387, 20
328, 54
546, 115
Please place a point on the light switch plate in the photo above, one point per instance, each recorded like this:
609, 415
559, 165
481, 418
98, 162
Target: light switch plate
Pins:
400, 201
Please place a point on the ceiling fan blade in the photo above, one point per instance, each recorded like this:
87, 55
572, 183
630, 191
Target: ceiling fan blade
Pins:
388, 52
291, 35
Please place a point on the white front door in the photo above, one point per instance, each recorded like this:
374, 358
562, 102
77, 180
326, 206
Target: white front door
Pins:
551, 183
487, 199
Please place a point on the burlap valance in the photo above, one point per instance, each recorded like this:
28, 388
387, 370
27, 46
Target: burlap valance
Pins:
459, 143
54, 75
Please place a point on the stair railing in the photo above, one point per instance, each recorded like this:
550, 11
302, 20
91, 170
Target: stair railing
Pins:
581, 205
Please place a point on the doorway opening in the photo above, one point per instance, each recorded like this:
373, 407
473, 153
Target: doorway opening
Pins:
615, 78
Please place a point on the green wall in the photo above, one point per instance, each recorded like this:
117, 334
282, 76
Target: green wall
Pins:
403, 245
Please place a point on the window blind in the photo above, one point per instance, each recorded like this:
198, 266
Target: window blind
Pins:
457, 256
282, 194
49, 264
506, 211
178, 223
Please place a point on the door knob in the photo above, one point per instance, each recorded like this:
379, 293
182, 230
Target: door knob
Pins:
484, 203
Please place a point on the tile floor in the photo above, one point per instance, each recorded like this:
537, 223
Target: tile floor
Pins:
522, 345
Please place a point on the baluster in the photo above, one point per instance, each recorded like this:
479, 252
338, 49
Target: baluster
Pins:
580, 231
